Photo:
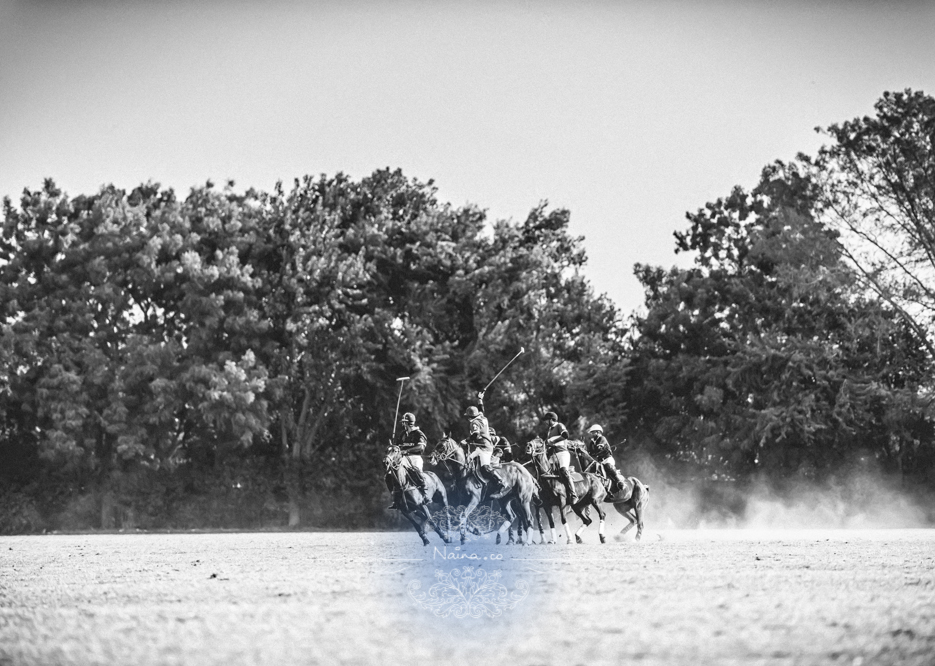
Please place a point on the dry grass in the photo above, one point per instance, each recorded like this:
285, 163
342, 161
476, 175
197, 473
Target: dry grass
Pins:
680, 597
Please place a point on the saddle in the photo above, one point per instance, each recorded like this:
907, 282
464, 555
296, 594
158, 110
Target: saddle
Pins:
478, 474
407, 479
623, 492
576, 477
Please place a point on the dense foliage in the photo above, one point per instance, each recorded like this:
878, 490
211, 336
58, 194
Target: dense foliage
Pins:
766, 357
230, 359
147, 337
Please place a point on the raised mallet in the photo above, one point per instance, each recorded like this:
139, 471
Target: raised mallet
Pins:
521, 350
401, 381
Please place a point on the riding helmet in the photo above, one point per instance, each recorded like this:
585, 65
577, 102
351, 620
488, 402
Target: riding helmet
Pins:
596, 428
471, 412
408, 417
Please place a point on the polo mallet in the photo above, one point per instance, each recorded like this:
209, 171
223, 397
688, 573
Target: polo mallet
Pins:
401, 381
521, 350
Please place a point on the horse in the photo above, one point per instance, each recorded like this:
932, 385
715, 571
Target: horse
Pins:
629, 501
517, 486
411, 497
589, 488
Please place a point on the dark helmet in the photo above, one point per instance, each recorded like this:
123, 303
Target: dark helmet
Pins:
471, 412
550, 416
408, 417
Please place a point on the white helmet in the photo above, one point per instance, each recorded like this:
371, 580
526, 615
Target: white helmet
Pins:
596, 428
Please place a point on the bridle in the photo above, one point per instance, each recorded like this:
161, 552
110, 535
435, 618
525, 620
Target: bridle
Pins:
536, 450
449, 452
393, 458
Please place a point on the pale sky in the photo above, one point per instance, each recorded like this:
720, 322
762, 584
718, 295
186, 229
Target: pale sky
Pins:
627, 113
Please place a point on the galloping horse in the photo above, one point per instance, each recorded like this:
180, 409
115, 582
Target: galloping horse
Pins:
411, 498
590, 490
629, 501
517, 485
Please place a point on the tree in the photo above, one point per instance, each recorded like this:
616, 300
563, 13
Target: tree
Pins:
878, 191
121, 332
145, 333
764, 358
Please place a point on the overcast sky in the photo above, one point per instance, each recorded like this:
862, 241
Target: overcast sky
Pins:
627, 113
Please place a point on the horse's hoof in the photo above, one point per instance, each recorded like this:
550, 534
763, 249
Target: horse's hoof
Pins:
498, 539
578, 539
603, 539
425, 541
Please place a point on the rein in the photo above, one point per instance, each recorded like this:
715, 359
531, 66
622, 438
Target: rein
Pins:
449, 454
536, 449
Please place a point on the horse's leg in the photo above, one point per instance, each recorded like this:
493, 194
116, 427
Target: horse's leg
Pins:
630, 518
476, 530
428, 518
561, 512
553, 537
526, 521
538, 511
417, 526
638, 510
440, 493
585, 517
581, 508
508, 522
601, 515
475, 500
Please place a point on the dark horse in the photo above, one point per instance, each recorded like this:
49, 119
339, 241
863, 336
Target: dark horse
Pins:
629, 501
589, 488
517, 486
410, 498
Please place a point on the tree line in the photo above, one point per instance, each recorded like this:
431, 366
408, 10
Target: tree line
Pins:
229, 359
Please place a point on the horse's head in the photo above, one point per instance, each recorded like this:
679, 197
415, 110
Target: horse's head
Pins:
393, 457
535, 447
446, 449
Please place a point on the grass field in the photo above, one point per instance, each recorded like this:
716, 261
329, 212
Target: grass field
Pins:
679, 597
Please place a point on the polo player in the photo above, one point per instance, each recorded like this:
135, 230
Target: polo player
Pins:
503, 450
599, 449
556, 438
412, 446
480, 442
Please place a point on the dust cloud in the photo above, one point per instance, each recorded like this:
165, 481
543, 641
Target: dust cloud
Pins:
857, 498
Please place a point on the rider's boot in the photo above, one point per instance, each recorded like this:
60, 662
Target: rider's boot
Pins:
493, 481
565, 473
621, 482
417, 478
